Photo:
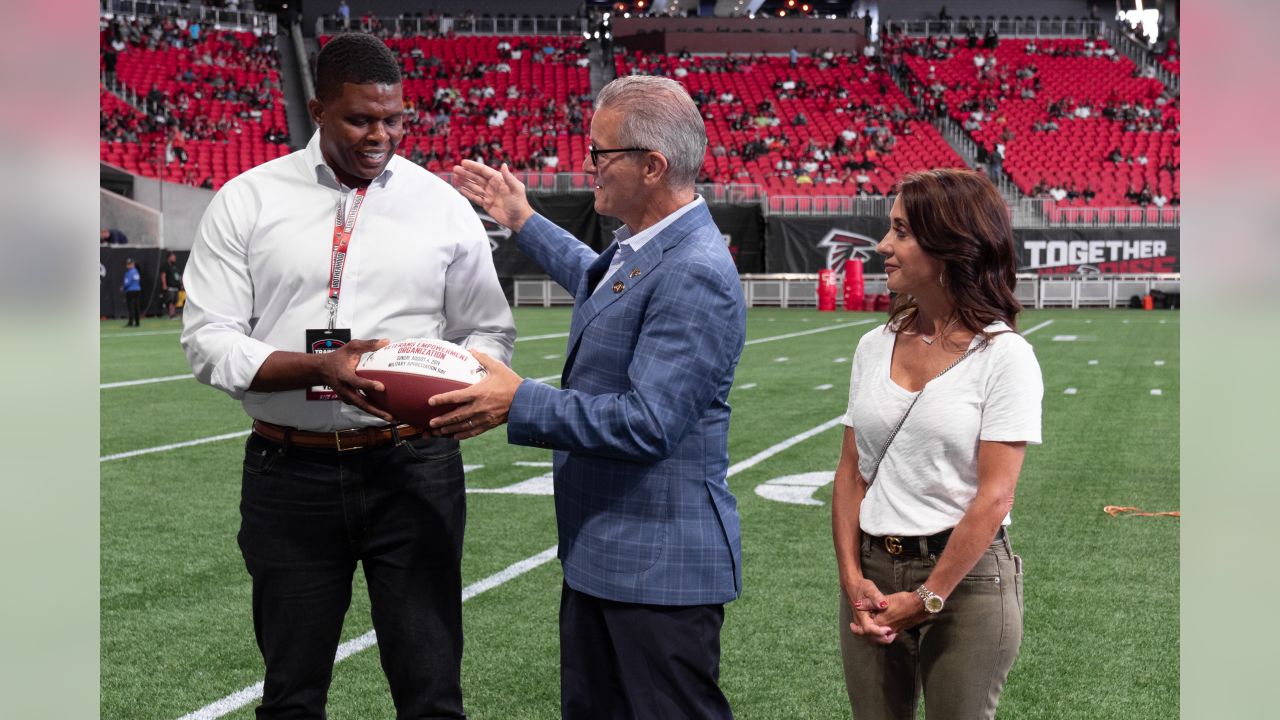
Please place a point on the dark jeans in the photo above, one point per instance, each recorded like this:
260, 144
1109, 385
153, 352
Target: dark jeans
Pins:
630, 661
307, 517
133, 299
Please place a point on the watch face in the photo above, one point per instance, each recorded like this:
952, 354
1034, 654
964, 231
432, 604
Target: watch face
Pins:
933, 604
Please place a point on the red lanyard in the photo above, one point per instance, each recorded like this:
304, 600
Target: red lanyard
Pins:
342, 231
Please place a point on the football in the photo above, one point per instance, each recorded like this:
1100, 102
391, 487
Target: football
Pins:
413, 370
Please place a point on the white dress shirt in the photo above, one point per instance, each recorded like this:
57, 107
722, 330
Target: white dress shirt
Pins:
626, 240
418, 265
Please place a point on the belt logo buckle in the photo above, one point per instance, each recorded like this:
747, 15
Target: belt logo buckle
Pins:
337, 439
893, 544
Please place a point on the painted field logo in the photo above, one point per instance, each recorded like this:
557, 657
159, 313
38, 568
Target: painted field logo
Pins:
845, 245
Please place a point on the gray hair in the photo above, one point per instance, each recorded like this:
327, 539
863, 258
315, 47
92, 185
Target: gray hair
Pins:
658, 114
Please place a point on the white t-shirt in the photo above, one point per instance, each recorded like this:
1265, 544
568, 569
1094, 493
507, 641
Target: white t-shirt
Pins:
929, 476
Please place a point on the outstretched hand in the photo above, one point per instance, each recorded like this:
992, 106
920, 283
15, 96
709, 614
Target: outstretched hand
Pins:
481, 407
499, 192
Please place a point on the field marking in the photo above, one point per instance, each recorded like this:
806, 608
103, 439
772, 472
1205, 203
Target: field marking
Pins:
529, 338
140, 334
145, 381
552, 336
240, 698
841, 360
748, 386
1093, 362
1065, 338
1157, 391
824, 386
1159, 363
837, 326
533, 463
1030, 330
781, 359
173, 446
779, 447
547, 378
1069, 391
243, 697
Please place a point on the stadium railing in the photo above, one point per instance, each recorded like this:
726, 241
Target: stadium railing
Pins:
1005, 27
559, 25
1141, 55
218, 18
800, 290
1028, 213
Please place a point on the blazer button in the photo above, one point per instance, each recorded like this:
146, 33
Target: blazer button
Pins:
618, 286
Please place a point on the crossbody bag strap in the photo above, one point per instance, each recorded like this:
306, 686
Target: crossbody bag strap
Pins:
875, 469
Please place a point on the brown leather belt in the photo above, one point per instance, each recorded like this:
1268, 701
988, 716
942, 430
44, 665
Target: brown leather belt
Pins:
339, 440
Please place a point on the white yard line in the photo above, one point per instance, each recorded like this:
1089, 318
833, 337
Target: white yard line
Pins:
829, 328
542, 337
145, 381
243, 697
140, 334
174, 446
240, 698
1030, 330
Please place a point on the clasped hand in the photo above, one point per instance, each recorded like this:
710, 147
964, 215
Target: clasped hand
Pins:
879, 618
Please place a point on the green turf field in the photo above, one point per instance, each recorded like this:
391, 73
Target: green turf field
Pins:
1101, 592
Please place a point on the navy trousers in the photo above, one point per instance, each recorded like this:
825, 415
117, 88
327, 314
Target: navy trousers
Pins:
307, 518
631, 662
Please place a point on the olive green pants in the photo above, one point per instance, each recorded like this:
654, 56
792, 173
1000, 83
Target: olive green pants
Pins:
958, 658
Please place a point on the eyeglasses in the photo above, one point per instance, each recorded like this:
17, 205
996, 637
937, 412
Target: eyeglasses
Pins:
596, 152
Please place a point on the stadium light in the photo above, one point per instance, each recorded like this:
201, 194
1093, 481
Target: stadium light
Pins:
791, 3
626, 16
586, 35
606, 16
597, 34
805, 7
782, 13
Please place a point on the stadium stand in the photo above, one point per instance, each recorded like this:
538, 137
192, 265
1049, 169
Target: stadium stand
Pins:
193, 106
1072, 118
522, 100
833, 124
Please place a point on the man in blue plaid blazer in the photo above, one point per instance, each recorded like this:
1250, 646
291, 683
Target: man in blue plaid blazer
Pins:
649, 531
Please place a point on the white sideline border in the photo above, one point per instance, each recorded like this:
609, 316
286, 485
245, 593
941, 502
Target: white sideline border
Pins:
168, 378
546, 379
244, 696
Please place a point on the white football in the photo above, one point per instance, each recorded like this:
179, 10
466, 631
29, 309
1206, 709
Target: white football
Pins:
413, 370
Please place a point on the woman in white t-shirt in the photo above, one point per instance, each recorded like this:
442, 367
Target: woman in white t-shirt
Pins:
943, 401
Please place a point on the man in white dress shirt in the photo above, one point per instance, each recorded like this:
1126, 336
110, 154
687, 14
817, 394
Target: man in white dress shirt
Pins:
294, 261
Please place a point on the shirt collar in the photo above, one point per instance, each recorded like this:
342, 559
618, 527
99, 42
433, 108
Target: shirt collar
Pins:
324, 174
623, 234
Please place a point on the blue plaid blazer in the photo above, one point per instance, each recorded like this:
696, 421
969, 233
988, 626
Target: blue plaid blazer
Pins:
640, 422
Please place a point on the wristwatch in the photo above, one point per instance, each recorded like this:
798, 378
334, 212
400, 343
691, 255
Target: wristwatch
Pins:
933, 602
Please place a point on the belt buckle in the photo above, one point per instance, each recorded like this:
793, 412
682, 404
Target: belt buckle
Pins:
893, 544
337, 439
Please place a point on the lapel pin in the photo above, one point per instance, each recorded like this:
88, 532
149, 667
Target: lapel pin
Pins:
617, 287
635, 272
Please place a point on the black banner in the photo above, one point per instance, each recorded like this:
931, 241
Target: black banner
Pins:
111, 261
743, 230
1128, 251
807, 245
742, 226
